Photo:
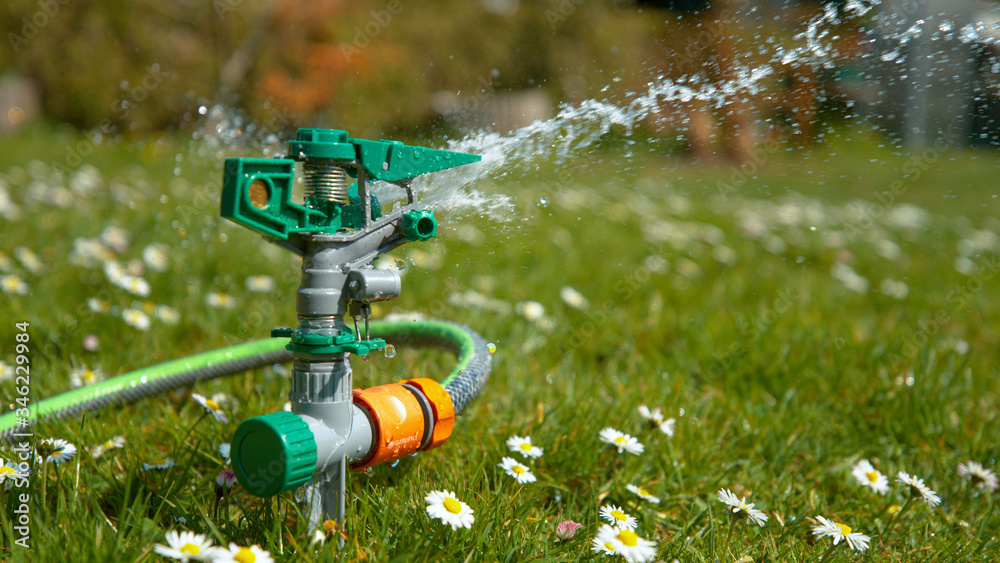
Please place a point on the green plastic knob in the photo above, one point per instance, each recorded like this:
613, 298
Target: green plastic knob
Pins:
273, 453
419, 224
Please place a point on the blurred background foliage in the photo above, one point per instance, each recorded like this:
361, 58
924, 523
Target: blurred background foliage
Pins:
369, 67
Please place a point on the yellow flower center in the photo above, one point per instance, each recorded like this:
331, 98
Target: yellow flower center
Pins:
518, 469
872, 476
452, 505
244, 555
609, 547
893, 509
148, 306
190, 549
643, 492
844, 528
212, 404
619, 440
330, 525
628, 538
619, 515
5, 469
525, 446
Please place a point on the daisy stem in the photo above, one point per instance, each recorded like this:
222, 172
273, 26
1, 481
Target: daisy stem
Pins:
729, 536
193, 426
45, 482
827, 552
893, 518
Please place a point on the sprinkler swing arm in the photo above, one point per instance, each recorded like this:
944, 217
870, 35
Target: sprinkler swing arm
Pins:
338, 230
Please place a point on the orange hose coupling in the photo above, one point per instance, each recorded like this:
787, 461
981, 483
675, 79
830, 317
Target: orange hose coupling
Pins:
406, 417
441, 407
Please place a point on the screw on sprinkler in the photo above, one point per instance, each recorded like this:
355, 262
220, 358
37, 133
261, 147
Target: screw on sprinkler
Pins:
339, 230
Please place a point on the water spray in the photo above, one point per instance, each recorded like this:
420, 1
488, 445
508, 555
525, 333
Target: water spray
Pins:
339, 232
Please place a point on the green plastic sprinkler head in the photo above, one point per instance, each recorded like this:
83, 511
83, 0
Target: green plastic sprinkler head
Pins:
338, 229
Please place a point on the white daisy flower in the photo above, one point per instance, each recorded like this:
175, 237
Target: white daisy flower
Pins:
54, 450
740, 507
566, 530
7, 371
10, 472
517, 470
654, 415
98, 306
210, 407
522, 445
187, 546
220, 300
89, 253
667, 427
918, 488
115, 272
13, 284
237, 554
91, 343
167, 464
868, 476
115, 238
627, 544
531, 310
167, 314
226, 478
225, 450
156, 256
855, 540
984, 479
136, 319
80, 377
260, 284
445, 507
573, 298
135, 268
602, 547
30, 260
642, 493
617, 517
623, 442
135, 285
114, 443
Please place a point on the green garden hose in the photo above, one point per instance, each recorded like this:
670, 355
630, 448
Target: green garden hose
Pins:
466, 380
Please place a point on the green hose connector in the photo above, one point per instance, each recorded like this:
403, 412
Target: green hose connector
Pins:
273, 453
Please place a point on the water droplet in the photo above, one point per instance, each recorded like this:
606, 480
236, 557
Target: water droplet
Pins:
400, 265
390, 351
492, 347
544, 201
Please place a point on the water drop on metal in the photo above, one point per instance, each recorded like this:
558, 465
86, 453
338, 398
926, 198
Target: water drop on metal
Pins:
390, 351
492, 347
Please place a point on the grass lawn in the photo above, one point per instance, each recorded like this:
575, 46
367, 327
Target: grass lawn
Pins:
793, 318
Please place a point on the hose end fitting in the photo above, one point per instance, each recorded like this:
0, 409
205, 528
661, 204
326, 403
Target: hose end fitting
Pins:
442, 410
416, 414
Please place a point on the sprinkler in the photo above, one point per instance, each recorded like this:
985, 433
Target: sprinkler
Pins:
339, 231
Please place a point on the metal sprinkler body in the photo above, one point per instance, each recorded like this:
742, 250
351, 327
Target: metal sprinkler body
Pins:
339, 230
